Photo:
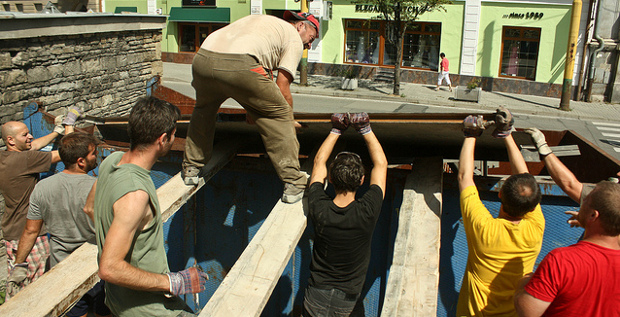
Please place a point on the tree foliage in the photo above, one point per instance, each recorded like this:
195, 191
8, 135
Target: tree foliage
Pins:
400, 16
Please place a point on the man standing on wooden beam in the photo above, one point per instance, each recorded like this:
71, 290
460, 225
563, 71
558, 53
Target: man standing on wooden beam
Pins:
20, 166
503, 249
343, 225
129, 229
237, 62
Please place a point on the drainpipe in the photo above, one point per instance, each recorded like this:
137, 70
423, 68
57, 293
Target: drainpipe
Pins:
586, 42
303, 70
601, 45
570, 56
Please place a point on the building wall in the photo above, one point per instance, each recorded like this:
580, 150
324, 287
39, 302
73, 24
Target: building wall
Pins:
102, 72
553, 38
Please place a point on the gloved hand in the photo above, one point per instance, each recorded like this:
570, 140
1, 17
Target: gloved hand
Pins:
503, 123
16, 278
58, 127
473, 125
540, 141
72, 116
187, 281
361, 122
340, 122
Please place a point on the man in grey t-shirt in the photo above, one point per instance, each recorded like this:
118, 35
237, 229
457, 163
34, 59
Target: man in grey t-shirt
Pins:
58, 201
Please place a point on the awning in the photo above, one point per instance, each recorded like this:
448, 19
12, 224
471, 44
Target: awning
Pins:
216, 15
125, 9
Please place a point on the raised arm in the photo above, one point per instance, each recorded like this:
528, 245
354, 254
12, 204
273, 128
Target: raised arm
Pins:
340, 122
560, 174
466, 163
378, 175
517, 162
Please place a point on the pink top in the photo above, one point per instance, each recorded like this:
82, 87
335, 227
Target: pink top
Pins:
444, 64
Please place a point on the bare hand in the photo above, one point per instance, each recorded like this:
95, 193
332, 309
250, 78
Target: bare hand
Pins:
297, 125
572, 221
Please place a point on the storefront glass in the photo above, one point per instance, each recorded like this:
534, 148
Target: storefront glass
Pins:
368, 42
191, 35
519, 52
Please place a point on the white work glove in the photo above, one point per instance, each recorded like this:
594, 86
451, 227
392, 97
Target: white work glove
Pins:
540, 141
16, 278
58, 127
73, 115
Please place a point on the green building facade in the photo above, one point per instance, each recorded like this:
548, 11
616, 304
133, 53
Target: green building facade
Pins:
516, 40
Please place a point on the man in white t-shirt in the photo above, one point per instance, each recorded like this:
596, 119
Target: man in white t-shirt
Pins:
237, 62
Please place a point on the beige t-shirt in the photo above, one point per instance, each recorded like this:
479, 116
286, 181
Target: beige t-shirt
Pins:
274, 42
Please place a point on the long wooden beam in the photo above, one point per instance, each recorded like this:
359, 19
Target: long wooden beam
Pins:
414, 275
250, 282
69, 280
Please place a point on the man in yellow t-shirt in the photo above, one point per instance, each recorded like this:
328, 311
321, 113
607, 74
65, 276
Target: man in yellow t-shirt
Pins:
503, 249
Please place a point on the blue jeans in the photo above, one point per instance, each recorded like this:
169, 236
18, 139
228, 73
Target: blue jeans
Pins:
328, 303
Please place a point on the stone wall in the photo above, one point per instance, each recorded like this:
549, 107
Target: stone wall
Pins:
101, 72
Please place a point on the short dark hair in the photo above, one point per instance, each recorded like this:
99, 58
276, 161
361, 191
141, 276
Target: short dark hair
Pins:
520, 194
442, 55
605, 198
346, 172
149, 118
75, 145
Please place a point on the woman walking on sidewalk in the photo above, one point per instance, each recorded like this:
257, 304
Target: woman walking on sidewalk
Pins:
443, 72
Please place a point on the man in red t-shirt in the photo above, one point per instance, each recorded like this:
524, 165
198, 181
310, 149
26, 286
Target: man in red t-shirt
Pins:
581, 279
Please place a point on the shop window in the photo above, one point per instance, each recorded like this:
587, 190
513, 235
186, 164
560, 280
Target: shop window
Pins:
368, 42
191, 35
520, 48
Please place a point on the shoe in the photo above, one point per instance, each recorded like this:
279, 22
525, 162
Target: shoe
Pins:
292, 194
191, 175
450, 89
436, 89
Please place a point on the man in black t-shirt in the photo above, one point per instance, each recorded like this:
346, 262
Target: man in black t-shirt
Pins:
343, 225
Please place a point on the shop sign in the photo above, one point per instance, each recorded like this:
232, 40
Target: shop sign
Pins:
527, 15
198, 3
370, 8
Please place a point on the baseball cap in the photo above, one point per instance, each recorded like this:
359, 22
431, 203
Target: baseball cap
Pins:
302, 16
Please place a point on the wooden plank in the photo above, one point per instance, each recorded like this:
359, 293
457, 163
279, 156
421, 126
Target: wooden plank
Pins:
174, 193
414, 275
56, 290
250, 282
69, 280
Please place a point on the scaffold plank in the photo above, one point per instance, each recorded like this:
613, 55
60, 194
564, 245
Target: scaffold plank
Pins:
414, 275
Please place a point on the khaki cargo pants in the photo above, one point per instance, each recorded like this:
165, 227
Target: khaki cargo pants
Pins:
217, 77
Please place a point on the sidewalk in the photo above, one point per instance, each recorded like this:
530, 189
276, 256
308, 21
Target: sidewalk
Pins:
179, 77
426, 95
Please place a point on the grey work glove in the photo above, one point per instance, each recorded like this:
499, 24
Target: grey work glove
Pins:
16, 278
540, 141
503, 123
72, 116
58, 127
187, 281
361, 122
473, 126
340, 122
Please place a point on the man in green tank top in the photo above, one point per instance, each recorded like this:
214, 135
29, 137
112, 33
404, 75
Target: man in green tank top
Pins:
129, 231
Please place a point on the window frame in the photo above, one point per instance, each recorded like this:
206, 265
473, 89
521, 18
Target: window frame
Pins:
197, 25
383, 40
521, 29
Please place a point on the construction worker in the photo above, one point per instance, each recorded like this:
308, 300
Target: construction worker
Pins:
502, 249
128, 222
581, 279
237, 61
343, 225
20, 166
57, 203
